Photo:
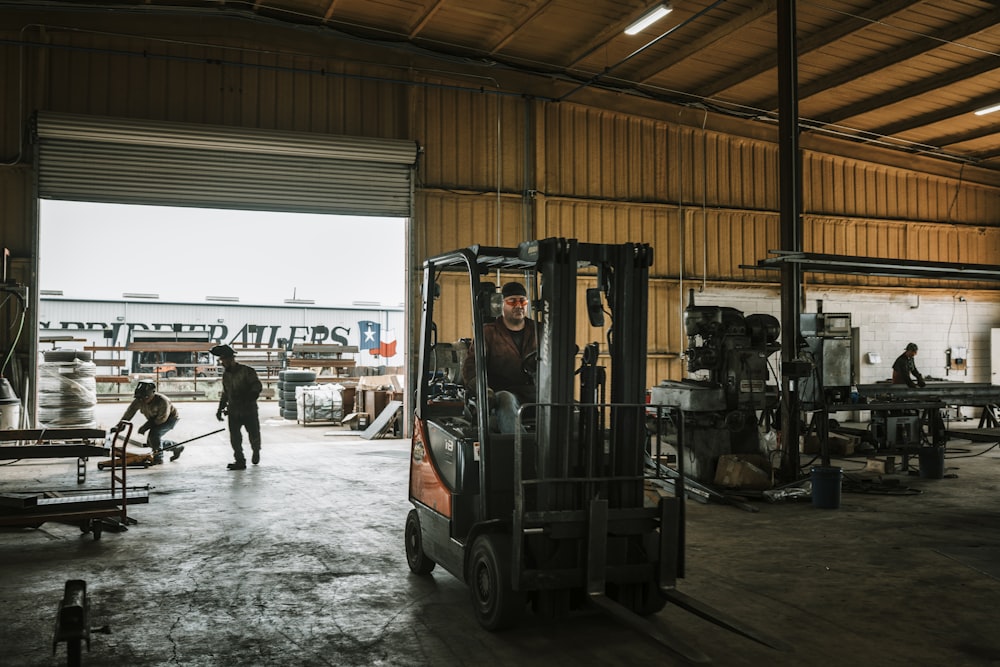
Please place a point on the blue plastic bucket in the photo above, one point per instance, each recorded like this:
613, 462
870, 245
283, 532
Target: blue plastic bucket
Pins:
932, 462
826, 487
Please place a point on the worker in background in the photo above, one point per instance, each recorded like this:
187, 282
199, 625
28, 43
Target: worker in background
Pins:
161, 416
511, 343
240, 389
905, 369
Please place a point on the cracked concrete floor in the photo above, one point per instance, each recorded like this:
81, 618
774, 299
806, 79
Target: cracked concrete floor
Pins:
300, 561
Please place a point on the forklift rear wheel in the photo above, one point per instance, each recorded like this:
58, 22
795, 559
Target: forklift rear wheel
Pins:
498, 606
415, 557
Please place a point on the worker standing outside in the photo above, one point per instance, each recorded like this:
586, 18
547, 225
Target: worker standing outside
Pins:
510, 341
904, 369
240, 389
161, 417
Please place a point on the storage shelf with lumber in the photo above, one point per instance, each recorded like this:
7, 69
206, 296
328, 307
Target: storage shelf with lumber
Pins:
323, 357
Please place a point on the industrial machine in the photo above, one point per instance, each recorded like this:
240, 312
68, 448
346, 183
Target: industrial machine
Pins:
727, 396
556, 514
827, 341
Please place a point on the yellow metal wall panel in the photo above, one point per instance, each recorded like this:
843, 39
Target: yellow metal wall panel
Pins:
470, 138
594, 222
448, 221
839, 186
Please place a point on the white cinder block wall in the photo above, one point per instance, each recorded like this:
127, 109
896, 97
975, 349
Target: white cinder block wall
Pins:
934, 319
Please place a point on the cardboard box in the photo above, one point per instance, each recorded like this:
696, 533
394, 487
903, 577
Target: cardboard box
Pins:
743, 471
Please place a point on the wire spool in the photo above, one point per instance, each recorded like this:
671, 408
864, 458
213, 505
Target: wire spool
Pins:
67, 390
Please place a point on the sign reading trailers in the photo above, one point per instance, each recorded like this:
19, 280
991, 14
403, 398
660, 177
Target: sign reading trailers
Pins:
376, 330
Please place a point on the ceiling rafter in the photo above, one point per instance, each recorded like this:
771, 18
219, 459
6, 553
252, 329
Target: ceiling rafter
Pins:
603, 38
512, 33
815, 41
952, 111
915, 89
962, 137
329, 10
425, 19
896, 56
714, 36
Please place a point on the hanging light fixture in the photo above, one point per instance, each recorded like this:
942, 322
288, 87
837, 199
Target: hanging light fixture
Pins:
649, 18
989, 109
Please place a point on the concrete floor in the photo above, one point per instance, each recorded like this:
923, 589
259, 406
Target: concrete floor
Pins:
300, 561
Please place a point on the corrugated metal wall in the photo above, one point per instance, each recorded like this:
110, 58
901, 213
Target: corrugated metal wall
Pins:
496, 168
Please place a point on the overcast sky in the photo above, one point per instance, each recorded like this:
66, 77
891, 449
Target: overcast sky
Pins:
185, 254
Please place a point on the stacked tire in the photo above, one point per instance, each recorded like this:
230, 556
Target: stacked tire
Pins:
288, 383
67, 390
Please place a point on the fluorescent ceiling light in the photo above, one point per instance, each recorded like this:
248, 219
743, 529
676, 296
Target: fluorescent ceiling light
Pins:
649, 18
986, 110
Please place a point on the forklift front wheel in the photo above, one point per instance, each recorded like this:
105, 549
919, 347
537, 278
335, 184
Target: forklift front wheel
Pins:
498, 606
415, 557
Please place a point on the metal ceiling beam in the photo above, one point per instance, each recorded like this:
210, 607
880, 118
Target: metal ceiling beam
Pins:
329, 10
684, 51
878, 266
896, 56
656, 40
932, 117
962, 137
506, 39
904, 93
612, 31
822, 38
425, 19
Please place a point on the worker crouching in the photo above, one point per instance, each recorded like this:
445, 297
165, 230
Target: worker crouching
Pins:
161, 417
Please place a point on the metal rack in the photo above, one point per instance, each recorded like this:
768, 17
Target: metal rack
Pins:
91, 509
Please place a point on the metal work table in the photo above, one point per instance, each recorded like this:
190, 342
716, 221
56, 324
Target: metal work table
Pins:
91, 509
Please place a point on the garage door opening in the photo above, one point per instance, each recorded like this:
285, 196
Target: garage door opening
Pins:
100, 251
114, 275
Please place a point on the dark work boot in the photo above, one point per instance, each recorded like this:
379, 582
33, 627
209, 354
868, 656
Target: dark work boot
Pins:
158, 457
255, 459
175, 453
238, 465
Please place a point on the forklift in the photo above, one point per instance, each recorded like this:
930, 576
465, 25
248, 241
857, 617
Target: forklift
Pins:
559, 514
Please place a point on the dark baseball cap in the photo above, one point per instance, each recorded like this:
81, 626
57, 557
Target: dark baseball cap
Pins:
514, 289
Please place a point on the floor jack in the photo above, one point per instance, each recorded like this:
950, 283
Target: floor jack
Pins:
137, 460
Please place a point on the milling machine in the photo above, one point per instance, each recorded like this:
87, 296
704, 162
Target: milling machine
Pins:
728, 394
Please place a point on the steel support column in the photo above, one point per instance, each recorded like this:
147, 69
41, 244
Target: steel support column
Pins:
790, 197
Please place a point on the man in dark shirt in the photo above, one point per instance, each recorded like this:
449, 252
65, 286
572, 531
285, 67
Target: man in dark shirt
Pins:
240, 389
904, 367
510, 341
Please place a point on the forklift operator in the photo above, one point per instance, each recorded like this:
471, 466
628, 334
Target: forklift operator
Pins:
904, 367
160, 414
509, 341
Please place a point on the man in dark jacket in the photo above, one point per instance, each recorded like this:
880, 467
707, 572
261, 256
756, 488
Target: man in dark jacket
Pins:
510, 341
904, 367
240, 389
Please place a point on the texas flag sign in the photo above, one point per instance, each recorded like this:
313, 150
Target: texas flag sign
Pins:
371, 338
387, 345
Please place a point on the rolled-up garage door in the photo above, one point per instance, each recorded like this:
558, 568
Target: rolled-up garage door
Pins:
127, 161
